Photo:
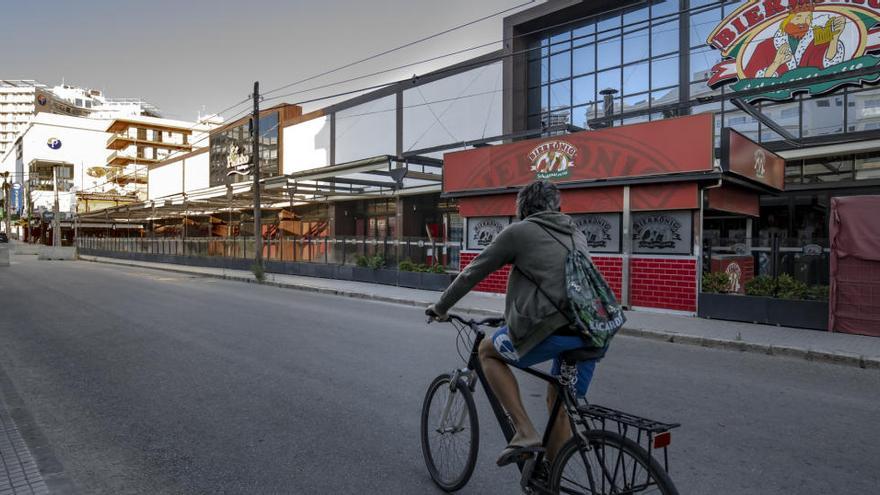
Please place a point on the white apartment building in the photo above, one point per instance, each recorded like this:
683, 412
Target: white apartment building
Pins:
21, 99
17, 98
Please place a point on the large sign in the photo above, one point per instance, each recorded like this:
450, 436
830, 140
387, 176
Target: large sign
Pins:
766, 43
745, 158
602, 231
666, 146
483, 230
230, 152
662, 232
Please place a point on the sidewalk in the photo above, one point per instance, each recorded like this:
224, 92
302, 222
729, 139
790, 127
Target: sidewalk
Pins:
836, 348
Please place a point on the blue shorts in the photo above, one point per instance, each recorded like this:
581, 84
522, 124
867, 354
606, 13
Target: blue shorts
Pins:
549, 348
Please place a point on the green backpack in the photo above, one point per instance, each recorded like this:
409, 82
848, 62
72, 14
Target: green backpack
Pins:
598, 316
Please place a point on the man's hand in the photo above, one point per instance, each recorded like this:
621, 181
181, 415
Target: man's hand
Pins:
783, 55
433, 314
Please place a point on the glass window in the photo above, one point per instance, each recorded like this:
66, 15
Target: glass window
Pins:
537, 72
664, 37
664, 72
742, 123
830, 169
584, 60
580, 115
639, 102
560, 66
584, 90
821, 117
608, 79
702, 24
635, 78
702, 60
537, 100
867, 167
559, 37
635, 46
534, 122
609, 53
588, 28
664, 96
560, 95
786, 115
664, 7
864, 110
560, 118
606, 25
793, 172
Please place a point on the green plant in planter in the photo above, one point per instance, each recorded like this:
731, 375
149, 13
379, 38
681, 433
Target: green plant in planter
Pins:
818, 292
361, 261
407, 266
438, 268
716, 282
762, 285
787, 287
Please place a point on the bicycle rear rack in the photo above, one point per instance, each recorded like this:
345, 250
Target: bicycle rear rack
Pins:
648, 433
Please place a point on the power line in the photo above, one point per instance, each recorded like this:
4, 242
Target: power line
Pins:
401, 47
618, 33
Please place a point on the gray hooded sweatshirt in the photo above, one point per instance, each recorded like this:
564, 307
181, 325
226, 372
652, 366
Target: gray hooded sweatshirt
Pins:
530, 316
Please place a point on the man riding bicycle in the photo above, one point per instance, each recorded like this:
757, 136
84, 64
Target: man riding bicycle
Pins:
537, 329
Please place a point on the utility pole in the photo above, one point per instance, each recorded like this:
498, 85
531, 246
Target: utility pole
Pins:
6, 200
56, 221
255, 158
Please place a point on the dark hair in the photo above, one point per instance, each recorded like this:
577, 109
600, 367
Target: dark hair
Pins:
536, 197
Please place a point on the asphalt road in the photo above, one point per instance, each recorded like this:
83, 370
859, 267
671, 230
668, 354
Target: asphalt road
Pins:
149, 382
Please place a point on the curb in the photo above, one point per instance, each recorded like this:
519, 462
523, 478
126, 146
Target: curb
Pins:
838, 358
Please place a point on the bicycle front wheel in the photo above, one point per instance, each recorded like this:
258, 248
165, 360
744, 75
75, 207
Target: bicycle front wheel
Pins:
450, 433
609, 464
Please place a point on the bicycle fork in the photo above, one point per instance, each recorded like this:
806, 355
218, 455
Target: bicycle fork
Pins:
458, 425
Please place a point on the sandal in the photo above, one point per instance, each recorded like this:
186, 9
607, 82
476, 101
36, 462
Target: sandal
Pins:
517, 453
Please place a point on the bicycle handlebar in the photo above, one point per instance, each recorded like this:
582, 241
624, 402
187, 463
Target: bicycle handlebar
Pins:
486, 322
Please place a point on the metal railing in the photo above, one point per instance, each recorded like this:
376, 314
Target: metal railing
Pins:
386, 252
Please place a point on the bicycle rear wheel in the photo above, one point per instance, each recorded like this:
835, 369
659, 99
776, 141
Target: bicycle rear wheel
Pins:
612, 464
450, 433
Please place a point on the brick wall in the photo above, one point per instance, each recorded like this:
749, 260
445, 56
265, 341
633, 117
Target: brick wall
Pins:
496, 282
611, 268
665, 283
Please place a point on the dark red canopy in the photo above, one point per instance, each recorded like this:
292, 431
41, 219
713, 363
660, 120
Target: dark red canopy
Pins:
855, 265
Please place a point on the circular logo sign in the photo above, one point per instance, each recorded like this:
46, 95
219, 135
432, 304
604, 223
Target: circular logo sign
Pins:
41, 100
54, 143
552, 160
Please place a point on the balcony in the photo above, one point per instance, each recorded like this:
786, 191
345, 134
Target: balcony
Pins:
118, 159
122, 141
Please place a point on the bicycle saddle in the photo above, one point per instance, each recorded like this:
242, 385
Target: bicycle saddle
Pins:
582, 354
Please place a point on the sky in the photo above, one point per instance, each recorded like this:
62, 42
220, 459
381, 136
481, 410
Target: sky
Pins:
199, 56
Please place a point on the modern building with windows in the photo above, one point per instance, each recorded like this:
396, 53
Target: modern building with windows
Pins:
374, 167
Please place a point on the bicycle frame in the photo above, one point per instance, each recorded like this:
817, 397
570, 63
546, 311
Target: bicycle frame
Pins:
474, 373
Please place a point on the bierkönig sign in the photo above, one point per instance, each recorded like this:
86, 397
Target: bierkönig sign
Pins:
766, 43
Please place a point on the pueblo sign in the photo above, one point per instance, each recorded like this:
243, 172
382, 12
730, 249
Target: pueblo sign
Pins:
667, 146
766, 43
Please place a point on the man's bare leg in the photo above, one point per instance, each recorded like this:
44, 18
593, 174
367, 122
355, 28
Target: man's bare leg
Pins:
506, 388
561, 427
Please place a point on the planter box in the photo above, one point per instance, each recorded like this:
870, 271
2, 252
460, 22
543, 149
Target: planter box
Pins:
766, 310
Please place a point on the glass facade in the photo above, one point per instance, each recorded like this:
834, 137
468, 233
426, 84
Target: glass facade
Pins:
642, 52
634, 51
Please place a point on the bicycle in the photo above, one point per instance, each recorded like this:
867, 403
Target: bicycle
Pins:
596, 460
